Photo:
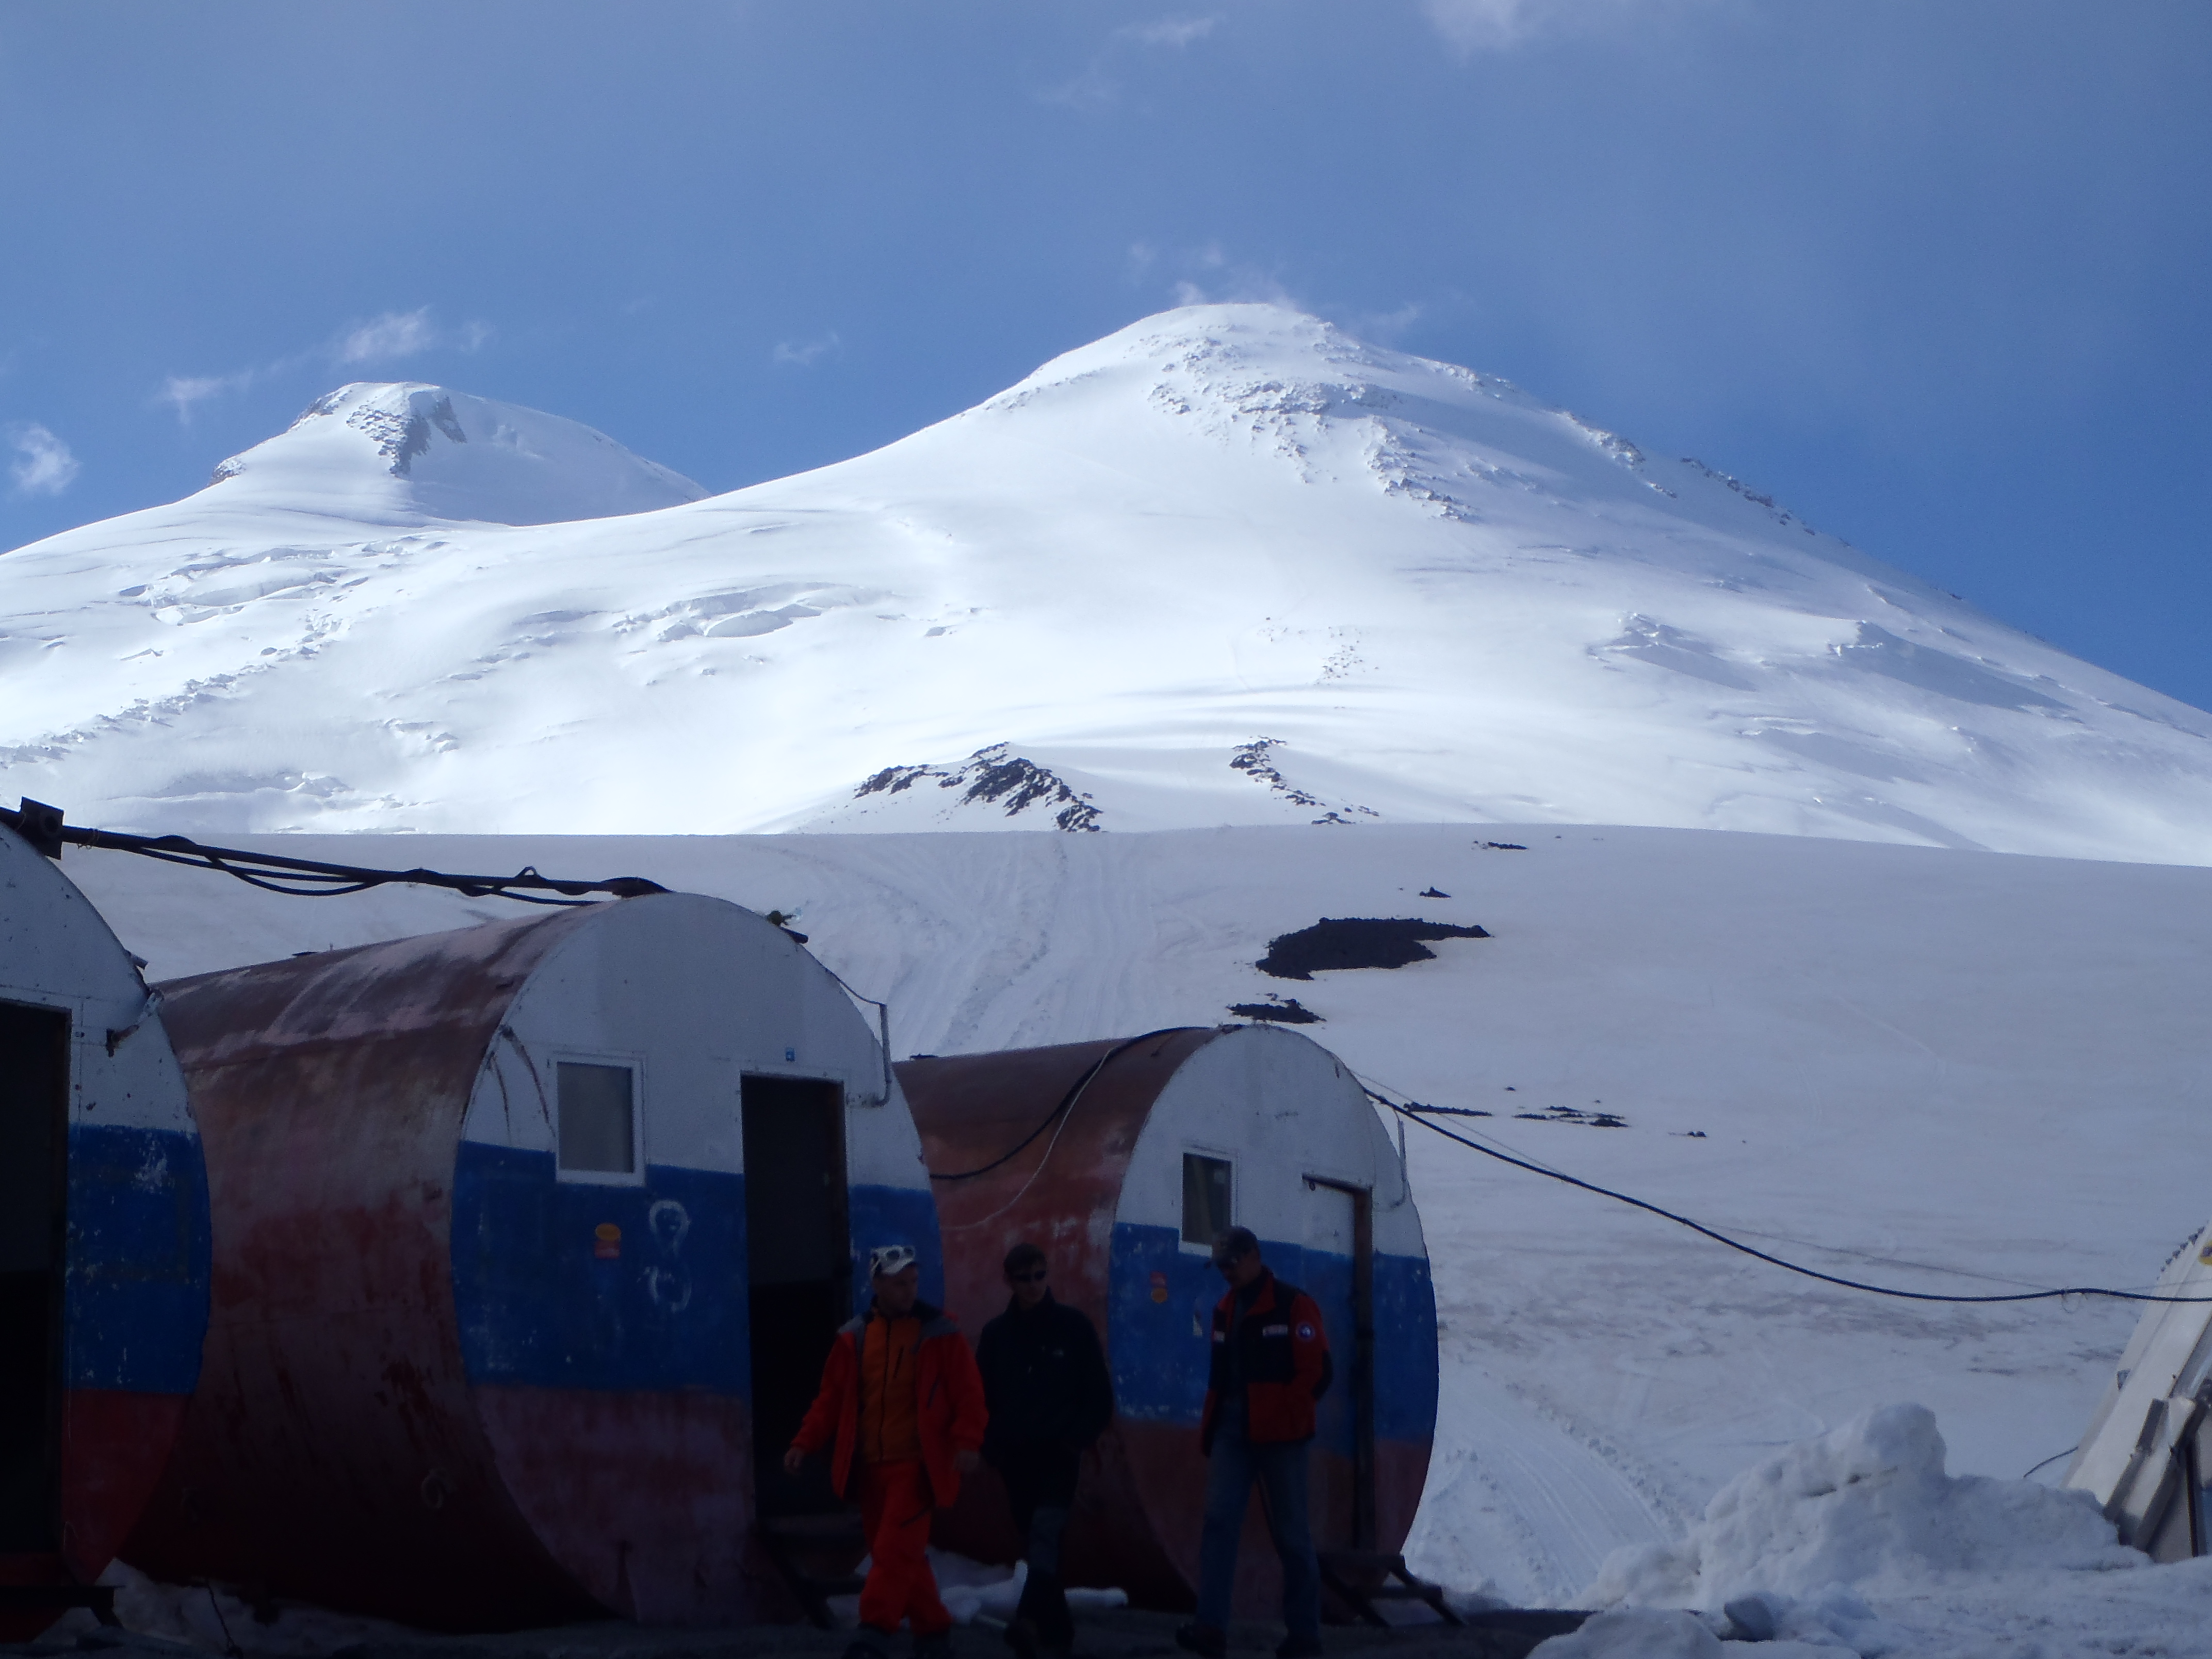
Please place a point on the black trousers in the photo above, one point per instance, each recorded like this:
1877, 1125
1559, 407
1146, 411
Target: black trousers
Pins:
1040, 1477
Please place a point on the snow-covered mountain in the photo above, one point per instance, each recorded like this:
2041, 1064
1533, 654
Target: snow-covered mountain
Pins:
1228, 565
403, 453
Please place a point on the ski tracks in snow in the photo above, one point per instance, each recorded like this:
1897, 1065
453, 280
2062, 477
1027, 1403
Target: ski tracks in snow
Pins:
1522, 1497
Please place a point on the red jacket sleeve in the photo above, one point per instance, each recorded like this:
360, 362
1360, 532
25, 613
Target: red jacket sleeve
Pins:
840, 1372
1310, 1366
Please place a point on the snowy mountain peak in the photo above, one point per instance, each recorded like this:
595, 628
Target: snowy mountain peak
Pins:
404, 451
1229, 565
1298, 388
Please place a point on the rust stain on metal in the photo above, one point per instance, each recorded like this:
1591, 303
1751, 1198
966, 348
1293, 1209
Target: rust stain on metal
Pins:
1061, 1192
331, 1092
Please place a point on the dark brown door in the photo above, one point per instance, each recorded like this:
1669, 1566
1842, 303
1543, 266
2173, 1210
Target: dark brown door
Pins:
799, 1271
35, 1056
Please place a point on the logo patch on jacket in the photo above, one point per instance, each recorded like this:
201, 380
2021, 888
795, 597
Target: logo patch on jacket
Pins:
1306, 1333
1274, 1330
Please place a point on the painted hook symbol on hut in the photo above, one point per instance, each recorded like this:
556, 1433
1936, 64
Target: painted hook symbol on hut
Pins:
670, 1287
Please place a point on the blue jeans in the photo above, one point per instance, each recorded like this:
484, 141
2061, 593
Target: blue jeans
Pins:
1281, 1470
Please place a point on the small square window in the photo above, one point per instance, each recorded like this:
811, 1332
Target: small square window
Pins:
1206, 1188
599, 1119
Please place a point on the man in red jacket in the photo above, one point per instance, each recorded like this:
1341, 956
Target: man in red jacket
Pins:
902, 1411
1270, 1364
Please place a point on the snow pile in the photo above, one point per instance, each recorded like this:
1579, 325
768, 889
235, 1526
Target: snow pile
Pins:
202, 1616
973, 1589
1865, 1506
1644, 1633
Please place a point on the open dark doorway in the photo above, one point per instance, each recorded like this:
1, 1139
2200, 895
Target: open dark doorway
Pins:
799, 1272
1341, 1242
35, 1054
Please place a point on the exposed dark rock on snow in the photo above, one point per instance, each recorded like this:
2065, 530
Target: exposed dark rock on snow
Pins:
1292, 1013
1576, 1114
995, 776
1356, 942
1252, 760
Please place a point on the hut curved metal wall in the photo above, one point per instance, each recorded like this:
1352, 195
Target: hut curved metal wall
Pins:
446, 1384
129, 1234
1100, 1190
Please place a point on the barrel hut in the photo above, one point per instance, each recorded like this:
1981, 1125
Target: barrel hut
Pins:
103, 1241
533, 1237
1122, 1160
2146, 1458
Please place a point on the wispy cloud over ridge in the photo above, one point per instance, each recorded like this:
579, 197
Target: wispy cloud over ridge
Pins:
386, 338
44, 465
395, 334
1167, 31
1497, 25
804, 354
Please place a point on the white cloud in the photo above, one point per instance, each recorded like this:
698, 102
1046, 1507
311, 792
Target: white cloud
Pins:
45, 467
1498, 25
1167, 31
181, 392
806, 353
1092, 90
1387, 325
1226, 280
395, 334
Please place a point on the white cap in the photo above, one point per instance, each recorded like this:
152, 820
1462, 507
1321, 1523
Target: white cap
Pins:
888, 1258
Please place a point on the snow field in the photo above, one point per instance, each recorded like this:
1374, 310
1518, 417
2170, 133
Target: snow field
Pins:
1940, 1070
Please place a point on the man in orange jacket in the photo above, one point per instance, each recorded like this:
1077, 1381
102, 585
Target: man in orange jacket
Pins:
1270, 1364
902, 1411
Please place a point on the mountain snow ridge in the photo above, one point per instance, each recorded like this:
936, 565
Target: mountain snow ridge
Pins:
524, 468
1431, 597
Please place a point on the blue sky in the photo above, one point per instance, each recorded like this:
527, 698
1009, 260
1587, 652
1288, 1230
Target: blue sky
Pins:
1934, 273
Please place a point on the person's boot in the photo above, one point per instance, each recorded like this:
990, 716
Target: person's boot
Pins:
1022, 1635
938, 1644
1299, 1646
1206, 1640
1047, 1599
870, 1642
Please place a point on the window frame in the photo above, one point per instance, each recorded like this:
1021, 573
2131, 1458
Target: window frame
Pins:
1214, 1154
634, 1065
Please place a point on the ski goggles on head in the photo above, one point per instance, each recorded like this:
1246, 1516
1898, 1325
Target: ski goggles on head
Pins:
888, 1258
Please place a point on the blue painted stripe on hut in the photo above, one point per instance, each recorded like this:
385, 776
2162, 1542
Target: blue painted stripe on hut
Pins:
137, 1260
544, 1301
1161, 1346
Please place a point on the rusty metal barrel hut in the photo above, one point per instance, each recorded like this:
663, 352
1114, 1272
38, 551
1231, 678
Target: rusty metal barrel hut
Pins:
1122, 1160
103, 1241
531, 1240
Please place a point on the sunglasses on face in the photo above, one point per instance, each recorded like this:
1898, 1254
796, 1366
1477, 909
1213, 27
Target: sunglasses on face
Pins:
1228, 1264
1034, 1276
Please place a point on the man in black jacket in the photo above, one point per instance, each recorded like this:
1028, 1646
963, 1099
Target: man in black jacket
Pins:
1050, 1396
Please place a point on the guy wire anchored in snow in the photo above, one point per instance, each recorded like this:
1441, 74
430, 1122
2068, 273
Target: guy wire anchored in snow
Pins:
42, 827
1415, 1112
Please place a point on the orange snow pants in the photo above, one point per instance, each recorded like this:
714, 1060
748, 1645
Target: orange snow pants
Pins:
896, 1509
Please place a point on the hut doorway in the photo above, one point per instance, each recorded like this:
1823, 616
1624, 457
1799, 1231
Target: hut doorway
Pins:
1340, 1276
34, 1171
799, 1271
